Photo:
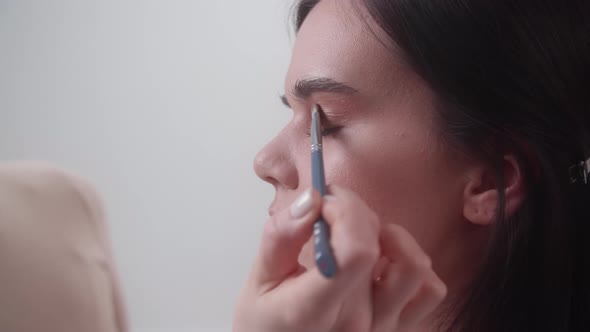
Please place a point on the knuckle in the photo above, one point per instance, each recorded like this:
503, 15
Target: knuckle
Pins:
436, 288
360, 257
409, 269
420, 269
332, 210
340, 212
415, 256
439, 289
396, 232
414, 269
423, 261
373, 219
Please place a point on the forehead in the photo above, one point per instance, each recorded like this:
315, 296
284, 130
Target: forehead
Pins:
338, 40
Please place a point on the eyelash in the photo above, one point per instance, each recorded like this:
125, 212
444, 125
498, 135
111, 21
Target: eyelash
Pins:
326, 131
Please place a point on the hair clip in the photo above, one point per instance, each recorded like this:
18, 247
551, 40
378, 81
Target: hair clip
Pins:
580, 172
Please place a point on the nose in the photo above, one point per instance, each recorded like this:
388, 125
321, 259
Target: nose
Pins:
275, 165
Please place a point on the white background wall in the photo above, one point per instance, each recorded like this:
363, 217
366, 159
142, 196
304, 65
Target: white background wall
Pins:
163, 105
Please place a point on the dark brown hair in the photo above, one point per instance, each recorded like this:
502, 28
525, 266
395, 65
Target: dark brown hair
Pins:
511, 76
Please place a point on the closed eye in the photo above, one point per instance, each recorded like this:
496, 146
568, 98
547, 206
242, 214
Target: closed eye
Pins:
326, 131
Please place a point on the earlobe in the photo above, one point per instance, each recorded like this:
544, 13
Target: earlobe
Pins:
482, 195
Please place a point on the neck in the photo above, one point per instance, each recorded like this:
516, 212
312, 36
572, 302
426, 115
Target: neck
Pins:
457, 261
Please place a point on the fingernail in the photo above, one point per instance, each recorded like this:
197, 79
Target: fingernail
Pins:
302, 205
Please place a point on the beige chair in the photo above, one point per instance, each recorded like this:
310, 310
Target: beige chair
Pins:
56, 266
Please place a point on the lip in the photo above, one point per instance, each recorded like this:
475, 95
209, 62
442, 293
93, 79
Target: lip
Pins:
278, 203
272, 209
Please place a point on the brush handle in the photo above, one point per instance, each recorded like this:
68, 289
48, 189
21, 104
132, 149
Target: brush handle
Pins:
318, 179
321, 230
324, 257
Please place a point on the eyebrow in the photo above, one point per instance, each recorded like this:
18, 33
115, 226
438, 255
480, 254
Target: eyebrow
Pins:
306, 87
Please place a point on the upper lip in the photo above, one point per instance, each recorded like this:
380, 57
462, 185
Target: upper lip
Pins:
271, 209
278, 203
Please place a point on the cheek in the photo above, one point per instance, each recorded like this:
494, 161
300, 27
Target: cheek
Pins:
375, 161
403, 176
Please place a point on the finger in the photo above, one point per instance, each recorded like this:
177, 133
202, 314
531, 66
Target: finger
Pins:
282, 239
398, 285
425, 302
354, 232
401, 279
399, 245
354, 240
379, 269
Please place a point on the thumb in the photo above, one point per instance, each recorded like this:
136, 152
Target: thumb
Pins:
283, 238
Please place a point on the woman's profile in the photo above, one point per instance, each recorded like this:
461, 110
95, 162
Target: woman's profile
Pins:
456, 146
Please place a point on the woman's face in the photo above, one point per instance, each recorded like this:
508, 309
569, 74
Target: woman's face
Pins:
382, 139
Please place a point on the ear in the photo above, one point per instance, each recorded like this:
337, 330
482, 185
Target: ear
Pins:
481, 196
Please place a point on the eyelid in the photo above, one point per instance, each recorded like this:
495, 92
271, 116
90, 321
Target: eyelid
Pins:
330, 119
326, 131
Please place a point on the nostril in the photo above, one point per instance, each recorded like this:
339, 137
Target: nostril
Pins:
271, 180
273, 165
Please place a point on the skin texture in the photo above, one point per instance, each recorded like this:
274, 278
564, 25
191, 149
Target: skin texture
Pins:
389, 150
404, 207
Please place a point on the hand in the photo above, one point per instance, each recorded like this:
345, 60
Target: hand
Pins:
282, 296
